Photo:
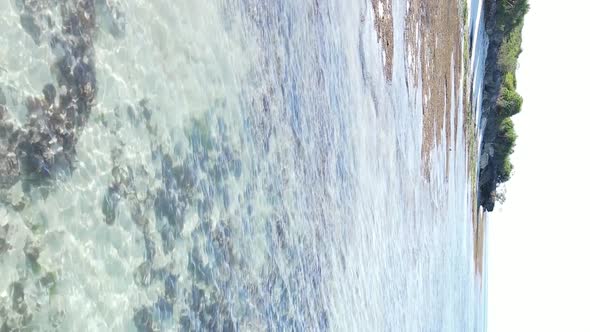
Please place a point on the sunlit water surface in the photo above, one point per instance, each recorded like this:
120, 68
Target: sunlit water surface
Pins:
278, 181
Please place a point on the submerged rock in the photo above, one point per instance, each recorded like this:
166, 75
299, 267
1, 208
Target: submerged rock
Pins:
113, 18
9, 163
9, 169
144, 321
170, 287
44, 146
17, 291
2, 97
4, 245
163, 309
48, 281
30, 25
110, 202
143, 274
32, 251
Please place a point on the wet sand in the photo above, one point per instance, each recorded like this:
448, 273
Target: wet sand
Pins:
384, 28
434, 37
479, 237
434, 34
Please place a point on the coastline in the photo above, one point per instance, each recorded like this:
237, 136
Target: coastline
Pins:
491, 92
445, 74
246, 195
495, 126
473, 129
501, 101
434, 36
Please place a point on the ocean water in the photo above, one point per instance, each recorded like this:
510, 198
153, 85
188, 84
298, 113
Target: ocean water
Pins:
245, 166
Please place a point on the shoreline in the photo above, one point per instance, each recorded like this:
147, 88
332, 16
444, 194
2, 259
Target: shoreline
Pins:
501, 100
439, 69
444, 70
472, 128
495, 113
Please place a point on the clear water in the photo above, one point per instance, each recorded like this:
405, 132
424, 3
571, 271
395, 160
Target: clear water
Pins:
276, 186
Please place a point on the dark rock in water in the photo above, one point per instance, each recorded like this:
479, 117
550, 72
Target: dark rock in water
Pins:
150, 248
208, 313
57, 125
109, 205
9, 164
197, 267
33, 158
171, 205
196, 299
9, 169
45, 146
204, 206
144, 320
207, 316
221, 242
30, 25
17, 291
143, 274
113, 18
168, 238
227, 325
6, 126
487, 185
4, 245
163, 309
2, 98
32, 251
49, 93
184, 176
160, 273
186, 324
48, 280
170, 284
145, 110
216, 317
173, 200
123, 179
81, 21
132, 115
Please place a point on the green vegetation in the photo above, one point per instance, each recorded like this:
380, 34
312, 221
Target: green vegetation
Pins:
510, 50
510, 14
509, 20
504, 145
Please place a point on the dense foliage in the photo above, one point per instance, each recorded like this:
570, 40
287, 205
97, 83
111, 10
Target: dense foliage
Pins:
509, 20
510, 14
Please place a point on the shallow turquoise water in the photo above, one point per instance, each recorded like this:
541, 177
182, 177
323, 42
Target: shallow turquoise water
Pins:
267, 178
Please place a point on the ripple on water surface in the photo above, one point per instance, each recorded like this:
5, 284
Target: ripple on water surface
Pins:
243, 166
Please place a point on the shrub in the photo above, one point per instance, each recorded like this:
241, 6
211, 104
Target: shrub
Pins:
510, 81
505, 171
510, 50
506, 136
511, 14
509, 22
504, 146
509, 102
